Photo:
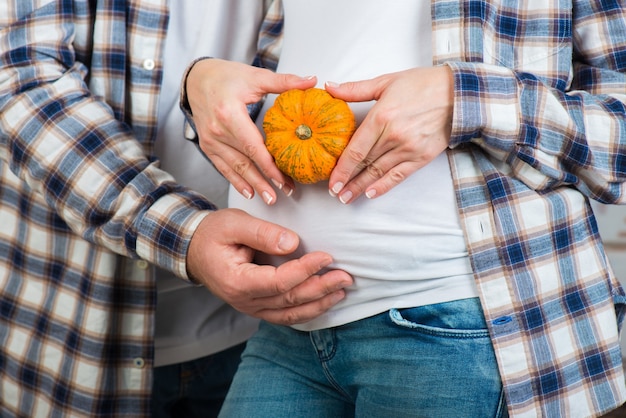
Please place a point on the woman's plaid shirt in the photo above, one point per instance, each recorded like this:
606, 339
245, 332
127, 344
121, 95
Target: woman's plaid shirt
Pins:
539, 127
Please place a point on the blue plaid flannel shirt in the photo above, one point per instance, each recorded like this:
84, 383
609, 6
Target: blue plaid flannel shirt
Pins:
539, 127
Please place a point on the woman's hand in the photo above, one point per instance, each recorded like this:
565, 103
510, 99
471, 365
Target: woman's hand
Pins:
406, 129
218, 92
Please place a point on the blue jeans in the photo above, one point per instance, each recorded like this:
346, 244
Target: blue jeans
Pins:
429, 361
195, 388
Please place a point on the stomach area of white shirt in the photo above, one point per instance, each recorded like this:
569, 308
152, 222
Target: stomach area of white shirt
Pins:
410, 233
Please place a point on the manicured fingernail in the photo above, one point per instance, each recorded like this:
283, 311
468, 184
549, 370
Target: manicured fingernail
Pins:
332, 84
345, 198
246, 193
336, 189
287, 190
277, 184
370, 193
268, 197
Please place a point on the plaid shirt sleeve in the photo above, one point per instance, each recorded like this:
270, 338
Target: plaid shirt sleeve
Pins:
75, 149
553, 121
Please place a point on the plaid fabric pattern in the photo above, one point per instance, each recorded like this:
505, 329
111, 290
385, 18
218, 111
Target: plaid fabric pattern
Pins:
535, 135
79, 84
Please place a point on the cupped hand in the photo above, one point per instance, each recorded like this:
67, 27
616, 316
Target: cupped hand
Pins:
407, 127
221, 256
218, 92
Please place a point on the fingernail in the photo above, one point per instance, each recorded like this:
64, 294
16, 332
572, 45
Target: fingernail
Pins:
332, 84
267, 197
246, 193
287, 241
277, 184
287, 190
345, 198
308, 77
370, 193
336, 189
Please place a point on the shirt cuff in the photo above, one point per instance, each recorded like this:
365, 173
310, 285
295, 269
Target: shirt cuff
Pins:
189, 132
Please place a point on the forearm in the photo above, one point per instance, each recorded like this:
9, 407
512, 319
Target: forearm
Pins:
68, 145
549, 137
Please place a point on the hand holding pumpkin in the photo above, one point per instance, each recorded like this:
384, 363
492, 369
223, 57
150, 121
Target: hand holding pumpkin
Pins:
218, 92
408, 126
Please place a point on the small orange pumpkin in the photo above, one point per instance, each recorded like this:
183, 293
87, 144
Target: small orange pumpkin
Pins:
306, 131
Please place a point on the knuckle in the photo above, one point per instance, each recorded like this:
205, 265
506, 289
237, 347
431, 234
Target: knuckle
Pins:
396, 176
290, 299
375, 171
356, 156
366, 162
241, 167
282, 288
290, 318
249, 150
223, 113
231, 295
214, 128
383, 116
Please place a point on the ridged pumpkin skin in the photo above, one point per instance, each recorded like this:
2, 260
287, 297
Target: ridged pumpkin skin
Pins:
306, 131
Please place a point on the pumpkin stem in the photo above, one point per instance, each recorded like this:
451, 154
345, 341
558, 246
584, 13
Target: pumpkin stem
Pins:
303, 132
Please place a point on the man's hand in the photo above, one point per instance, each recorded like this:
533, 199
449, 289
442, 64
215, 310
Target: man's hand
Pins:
218, 92
221, 257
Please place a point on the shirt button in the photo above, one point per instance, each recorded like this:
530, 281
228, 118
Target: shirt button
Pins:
139, 363
142, 264
148, 64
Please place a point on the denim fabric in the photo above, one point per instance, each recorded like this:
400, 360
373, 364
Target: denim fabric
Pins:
196, 388
430, 361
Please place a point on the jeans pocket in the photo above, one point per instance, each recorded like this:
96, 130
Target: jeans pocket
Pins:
460, 319
448, 346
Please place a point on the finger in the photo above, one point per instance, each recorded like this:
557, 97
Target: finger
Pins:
376, 181
243, 229
269, 287
257, 166
313, 288
356, 156
391, 179
279, 82
357, 91
245, 162
294, 272
392, 161
239, 183
302, 313
308, 300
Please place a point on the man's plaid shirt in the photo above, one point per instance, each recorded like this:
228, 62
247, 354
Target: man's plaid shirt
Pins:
82, 208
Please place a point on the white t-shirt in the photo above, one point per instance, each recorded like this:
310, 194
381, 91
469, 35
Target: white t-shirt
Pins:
190, 321
405, 248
